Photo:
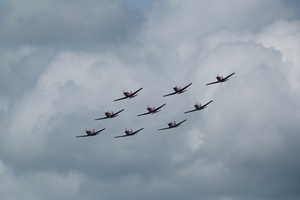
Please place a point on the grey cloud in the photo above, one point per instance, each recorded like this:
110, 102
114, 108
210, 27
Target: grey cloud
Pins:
243, 146
36, 185
66, 23
174, 19
20, 69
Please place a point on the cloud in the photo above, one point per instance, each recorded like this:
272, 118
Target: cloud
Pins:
242, 146
283, 36
66, 24
179, 21
46, 185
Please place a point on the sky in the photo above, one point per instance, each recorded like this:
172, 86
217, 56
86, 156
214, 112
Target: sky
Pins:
62, 64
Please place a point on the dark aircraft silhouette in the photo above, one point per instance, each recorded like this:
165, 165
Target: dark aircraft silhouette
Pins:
220, 79
129, 133
198, 107
129, 95
172, 125
178, 90
110, 115
90, 133
152, 110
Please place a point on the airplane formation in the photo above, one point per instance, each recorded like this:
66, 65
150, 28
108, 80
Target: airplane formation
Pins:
153, 110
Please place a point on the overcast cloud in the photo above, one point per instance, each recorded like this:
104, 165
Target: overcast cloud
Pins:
62, 63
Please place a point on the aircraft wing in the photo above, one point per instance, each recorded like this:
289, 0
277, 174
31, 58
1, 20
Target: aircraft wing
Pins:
185, 87
144, 114
136, 91
180, 122
100, 131
170, 94
115, 114
83, 136
101, 118
165, 128
206, 104
159, 107
213, 83
123, 136
135, 132
229, 76
121, 98
191, 111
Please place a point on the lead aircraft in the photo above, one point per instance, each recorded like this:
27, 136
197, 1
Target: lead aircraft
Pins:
172, 125
220, 79
90, 133
152, 110
178, 90
129, 133
198, 106
110, 115
129, 95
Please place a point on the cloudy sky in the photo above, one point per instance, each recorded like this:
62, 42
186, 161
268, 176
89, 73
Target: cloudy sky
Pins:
62, 63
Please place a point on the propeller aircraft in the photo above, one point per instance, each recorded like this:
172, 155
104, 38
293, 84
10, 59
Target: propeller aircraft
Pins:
178, 90
172, 125
129, 133
152, 110
220, 79
110, 115
198, 106
90, 133
129, 95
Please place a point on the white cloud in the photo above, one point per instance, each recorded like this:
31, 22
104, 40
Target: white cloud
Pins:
284, 37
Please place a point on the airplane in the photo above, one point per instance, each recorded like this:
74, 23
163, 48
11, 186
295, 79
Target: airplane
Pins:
172, 125
129, 95
178, 90
198, 106
152, 110
90, 133
220, 79
110, 115
129, 133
